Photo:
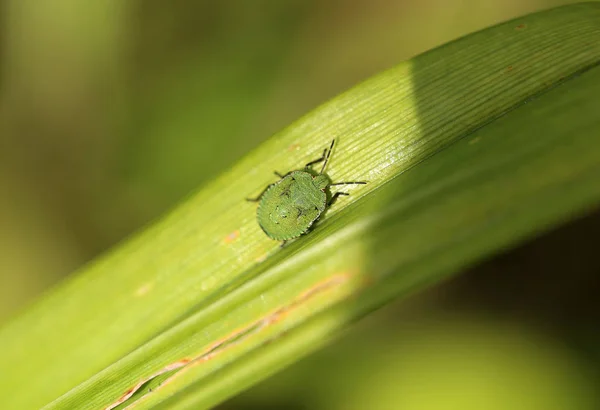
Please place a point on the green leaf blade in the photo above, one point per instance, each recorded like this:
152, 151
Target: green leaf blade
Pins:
466, 222
205, 277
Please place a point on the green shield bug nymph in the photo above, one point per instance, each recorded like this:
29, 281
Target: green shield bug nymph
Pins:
290, 206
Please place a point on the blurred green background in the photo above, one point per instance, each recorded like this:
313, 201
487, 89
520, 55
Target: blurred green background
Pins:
113, 111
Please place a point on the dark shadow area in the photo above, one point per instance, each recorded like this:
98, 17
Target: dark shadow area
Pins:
552, 282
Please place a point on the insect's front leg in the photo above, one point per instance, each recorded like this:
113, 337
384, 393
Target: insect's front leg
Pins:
316, 161
334, 197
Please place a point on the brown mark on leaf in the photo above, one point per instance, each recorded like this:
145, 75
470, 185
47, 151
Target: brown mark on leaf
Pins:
294, 147
236, 337
144, 289
521, 27
232, 237
173, 366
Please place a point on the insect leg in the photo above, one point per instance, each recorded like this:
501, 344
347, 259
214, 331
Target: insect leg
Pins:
282, 244
349, 183
324, 157
327, 157
259, 195
316, 161
335, 196
284, 175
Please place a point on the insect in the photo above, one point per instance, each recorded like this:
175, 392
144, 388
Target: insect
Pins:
290, 206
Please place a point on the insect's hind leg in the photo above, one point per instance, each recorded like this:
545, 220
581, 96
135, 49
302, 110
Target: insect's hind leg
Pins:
335, 196
259, 195
268, 186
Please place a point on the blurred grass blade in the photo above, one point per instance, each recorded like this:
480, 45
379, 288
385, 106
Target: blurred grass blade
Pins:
467, 149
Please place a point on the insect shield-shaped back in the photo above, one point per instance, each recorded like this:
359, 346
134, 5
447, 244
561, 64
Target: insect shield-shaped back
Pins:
290, 206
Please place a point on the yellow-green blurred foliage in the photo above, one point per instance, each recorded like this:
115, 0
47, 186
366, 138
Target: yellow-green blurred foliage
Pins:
112, 111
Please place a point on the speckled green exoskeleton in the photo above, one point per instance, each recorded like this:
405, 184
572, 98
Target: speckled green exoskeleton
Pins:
290, 206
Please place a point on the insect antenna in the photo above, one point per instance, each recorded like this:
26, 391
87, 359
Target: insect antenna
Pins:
327, 157
349, 183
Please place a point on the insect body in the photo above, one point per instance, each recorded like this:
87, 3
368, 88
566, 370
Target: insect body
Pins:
290, 206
